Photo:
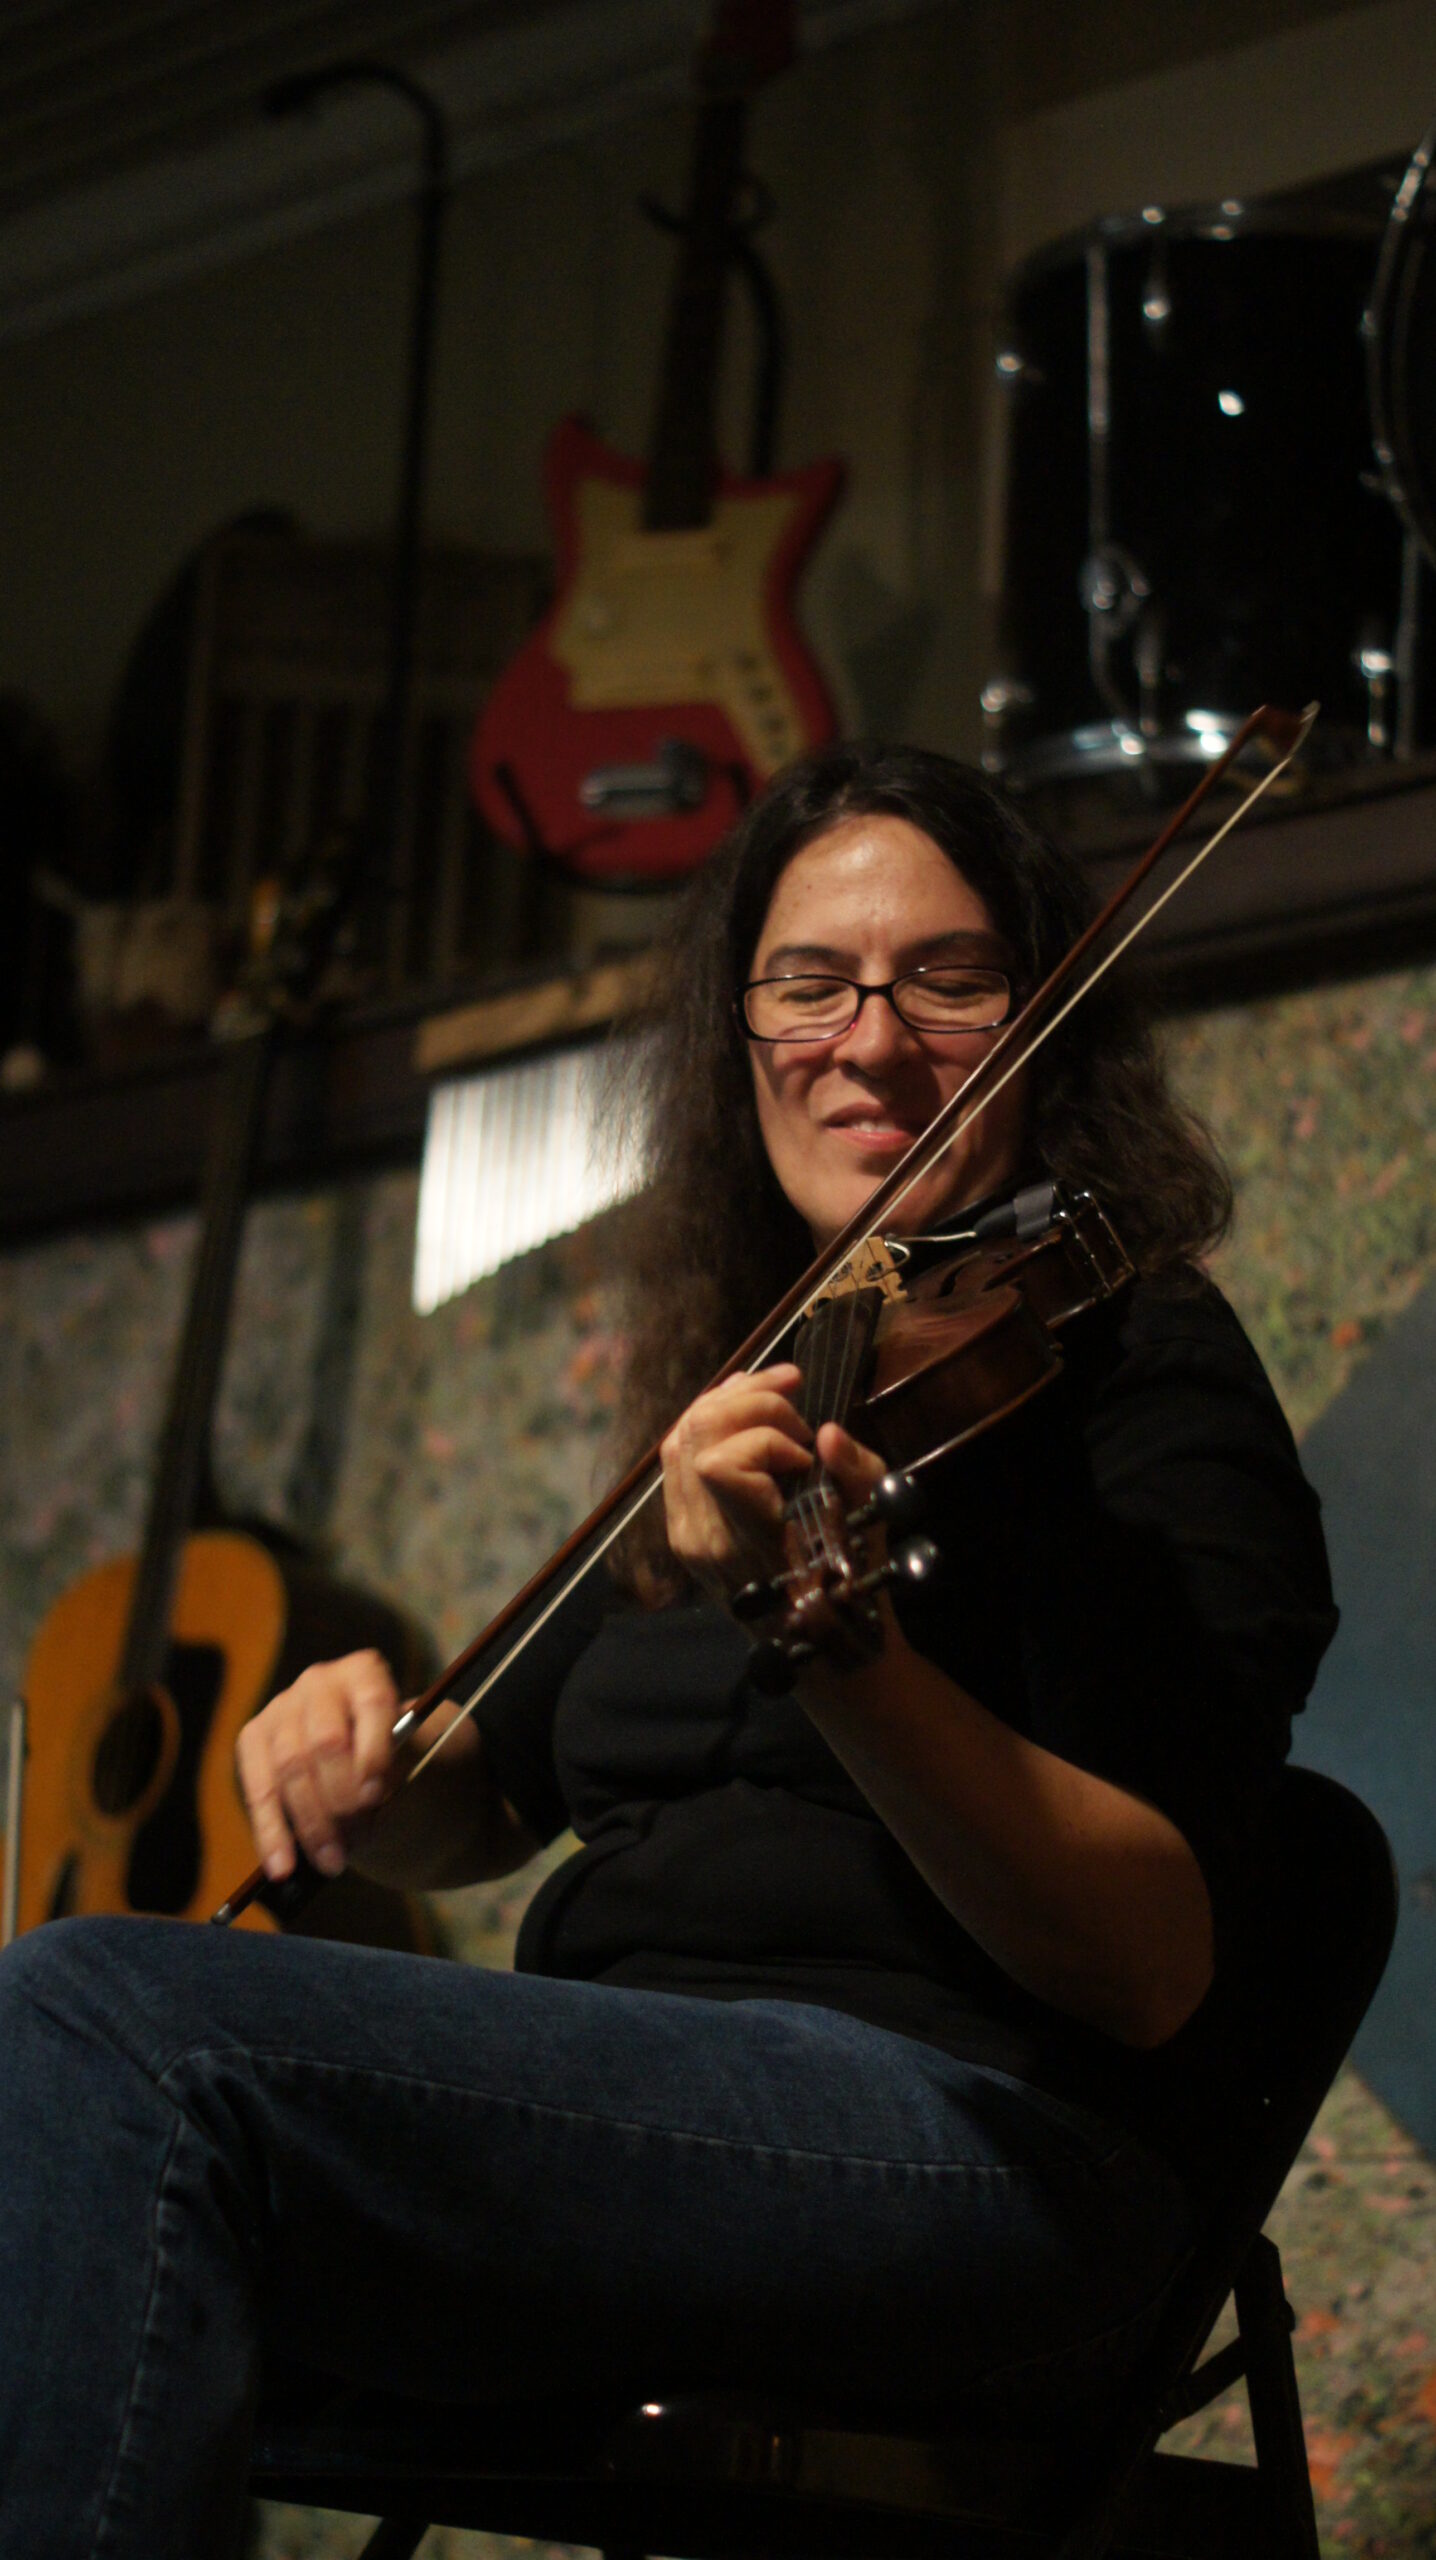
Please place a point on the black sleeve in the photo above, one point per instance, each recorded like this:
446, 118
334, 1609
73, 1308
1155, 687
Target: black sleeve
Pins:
1181, 1601
516, 1718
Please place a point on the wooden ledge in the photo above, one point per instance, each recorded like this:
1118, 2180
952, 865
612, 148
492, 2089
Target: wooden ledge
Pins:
531, 1017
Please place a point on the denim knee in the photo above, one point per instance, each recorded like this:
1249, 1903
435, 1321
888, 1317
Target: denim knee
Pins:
84, 1979
45, 1968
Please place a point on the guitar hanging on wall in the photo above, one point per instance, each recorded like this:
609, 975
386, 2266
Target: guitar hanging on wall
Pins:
669, 681
143, 1671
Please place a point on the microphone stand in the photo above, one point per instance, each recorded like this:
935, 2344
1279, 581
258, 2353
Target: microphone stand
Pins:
385, 868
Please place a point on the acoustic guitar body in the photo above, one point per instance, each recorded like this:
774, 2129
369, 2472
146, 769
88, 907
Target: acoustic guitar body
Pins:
658, 641
132, 1804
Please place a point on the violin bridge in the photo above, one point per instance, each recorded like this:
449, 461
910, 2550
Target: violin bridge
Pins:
873, 1264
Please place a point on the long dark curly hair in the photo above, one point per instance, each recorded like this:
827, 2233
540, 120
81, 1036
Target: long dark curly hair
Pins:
712, 1240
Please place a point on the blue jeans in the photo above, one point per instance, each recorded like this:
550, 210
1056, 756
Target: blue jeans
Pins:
480, 2186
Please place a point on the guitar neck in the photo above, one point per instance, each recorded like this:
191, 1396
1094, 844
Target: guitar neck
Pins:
683, 448
184, 1441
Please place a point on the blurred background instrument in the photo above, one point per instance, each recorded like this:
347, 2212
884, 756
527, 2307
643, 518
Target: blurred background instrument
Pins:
144, 1670
670, 680
1176, 536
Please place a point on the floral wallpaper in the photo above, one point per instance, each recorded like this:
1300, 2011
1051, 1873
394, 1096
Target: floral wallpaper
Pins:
1325, 1106
436, 1458
439, 1458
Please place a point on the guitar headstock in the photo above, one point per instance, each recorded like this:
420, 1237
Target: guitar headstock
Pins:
749, 42
296, 916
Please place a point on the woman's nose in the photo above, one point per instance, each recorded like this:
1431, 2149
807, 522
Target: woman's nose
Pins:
876, 1034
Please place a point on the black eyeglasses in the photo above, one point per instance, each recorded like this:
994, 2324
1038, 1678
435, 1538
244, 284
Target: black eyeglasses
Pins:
812, 1008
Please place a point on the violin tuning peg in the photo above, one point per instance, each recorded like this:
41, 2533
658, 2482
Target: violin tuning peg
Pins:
899, 1502
916, 1560
755, 1600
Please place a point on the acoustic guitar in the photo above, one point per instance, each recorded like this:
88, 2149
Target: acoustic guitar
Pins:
670, 680
144, 1670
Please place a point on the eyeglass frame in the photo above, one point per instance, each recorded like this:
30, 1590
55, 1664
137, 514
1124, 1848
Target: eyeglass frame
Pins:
862, 989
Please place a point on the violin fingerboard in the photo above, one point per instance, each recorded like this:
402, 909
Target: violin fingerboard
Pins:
833, 1348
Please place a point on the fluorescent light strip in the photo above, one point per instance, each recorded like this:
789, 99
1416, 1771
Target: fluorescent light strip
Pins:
513, 1157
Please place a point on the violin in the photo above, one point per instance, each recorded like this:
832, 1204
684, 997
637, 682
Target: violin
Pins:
931, 1374
916, 1367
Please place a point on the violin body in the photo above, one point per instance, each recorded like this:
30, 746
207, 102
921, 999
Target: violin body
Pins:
914, 1370
974, 1338
132, 1803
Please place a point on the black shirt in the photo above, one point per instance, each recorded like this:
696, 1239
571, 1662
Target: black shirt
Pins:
1133, 1576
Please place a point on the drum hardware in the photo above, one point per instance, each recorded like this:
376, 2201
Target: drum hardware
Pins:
1399, 332
1111, 586
1115, 598
1156, 296
1000, 695
1378, 665
1113, 590
1397, 327
1415, 580
1149, 658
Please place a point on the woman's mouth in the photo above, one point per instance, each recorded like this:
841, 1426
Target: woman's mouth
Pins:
879, 1135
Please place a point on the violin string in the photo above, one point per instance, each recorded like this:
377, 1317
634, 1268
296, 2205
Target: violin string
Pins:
840, 1400
643, 1493
805, 1509
808, 1400
860, 1335
843, 1344
840, 1338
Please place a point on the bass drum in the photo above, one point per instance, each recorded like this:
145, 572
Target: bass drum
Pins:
1193, 518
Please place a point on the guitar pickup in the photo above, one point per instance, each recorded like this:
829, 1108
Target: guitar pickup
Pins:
677, 779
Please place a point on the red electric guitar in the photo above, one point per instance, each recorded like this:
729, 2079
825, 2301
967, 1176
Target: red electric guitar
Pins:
670, 680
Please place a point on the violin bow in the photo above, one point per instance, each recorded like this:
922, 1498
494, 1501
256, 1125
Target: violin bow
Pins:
1018, 1041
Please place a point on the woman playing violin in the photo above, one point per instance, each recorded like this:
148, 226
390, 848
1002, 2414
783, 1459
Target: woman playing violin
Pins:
871, 2042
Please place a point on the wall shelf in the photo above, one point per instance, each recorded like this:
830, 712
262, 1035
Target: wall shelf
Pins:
1336, 883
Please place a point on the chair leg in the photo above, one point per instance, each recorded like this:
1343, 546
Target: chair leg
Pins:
395, 2538
1264, 2316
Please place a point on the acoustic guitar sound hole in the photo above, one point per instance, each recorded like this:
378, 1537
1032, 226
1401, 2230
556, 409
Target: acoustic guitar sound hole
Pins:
167, 1850
64, 1893
128, 1755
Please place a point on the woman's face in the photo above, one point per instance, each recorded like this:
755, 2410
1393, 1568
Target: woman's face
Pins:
869, 899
